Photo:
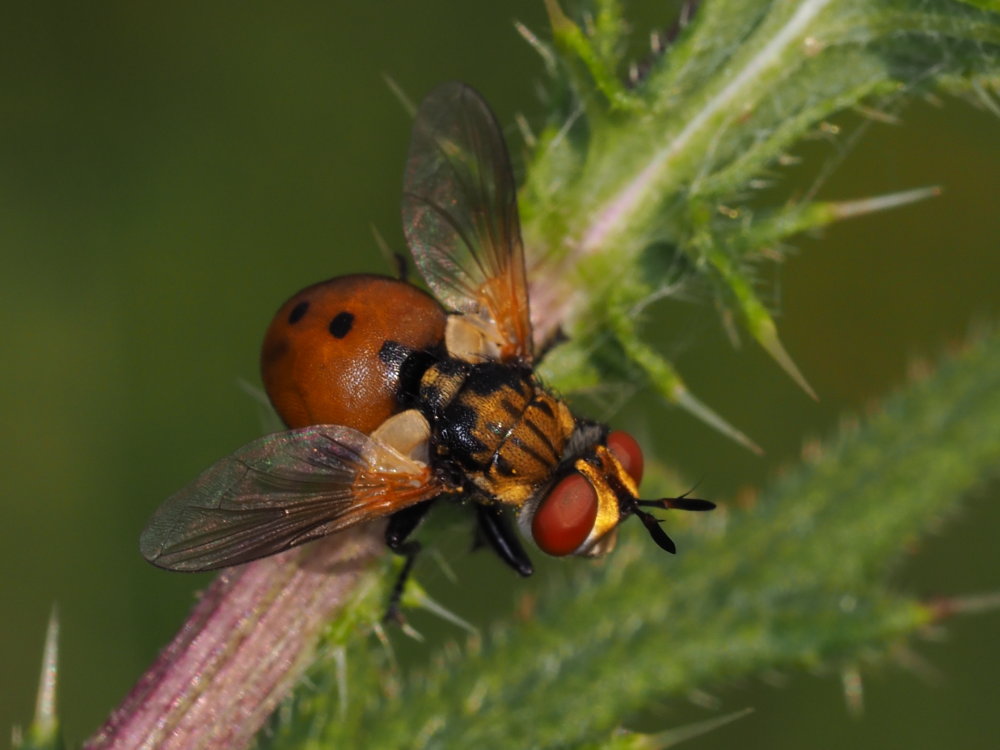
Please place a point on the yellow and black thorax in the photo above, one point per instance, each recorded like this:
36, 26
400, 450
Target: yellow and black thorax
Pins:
497, 424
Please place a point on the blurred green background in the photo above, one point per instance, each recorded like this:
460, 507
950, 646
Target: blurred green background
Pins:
169, 174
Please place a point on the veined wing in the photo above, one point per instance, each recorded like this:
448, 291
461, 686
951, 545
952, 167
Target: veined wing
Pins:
280, 491
460, 216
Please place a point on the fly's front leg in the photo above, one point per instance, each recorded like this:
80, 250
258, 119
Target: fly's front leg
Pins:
401, 525
495, 529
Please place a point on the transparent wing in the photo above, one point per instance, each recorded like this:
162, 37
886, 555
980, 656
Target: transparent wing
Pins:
460, 216
280, 491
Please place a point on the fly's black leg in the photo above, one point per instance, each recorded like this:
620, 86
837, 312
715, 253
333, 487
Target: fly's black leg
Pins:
559, 337
393, 611
401, 525
494, 529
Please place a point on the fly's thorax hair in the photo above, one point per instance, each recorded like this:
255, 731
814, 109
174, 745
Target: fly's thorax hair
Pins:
587, 434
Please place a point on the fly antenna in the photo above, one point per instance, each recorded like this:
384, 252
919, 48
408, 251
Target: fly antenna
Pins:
652, 524
681, 502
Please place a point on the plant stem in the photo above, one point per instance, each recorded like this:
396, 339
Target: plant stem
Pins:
242, 648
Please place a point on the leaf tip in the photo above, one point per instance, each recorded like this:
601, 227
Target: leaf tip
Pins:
767, 337
43, 733
559, 21
945, 607
686, 400
45, 704
851, 209
674, 737
854, 691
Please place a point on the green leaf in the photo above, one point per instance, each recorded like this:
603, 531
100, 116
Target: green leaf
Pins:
676, 172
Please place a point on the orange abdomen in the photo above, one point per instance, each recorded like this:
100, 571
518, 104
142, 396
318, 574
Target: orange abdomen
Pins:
335, 351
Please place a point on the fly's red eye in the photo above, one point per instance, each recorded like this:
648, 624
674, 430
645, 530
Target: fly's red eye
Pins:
627, 450
565, 516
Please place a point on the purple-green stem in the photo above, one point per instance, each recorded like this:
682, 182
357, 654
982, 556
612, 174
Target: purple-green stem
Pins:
243, 647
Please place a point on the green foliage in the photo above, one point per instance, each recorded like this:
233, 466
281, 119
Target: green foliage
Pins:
630, 189
672, 166
635, 185
799, 580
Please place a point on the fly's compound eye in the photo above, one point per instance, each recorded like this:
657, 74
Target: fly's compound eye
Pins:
627, 451
565, 517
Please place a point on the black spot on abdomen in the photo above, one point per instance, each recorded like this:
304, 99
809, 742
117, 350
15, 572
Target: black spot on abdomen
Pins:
297, 312
274, 351
341, 325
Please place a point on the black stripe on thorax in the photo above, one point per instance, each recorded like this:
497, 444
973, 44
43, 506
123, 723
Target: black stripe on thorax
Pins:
544, 437
529, 450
